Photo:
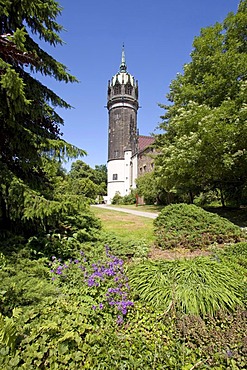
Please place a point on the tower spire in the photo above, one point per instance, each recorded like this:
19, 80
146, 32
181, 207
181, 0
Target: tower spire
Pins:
123, 66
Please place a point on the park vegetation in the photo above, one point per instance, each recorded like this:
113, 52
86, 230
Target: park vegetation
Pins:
76, 296
202, 145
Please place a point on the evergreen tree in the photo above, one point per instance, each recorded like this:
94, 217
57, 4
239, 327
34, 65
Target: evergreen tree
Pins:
30, 127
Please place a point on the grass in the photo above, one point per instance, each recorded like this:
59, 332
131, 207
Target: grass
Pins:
199, 286
126, 226
142, 208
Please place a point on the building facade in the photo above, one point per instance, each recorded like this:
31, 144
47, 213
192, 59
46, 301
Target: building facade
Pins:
124, 143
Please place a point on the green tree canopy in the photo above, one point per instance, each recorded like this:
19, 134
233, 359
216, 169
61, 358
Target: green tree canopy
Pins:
204, 143
97, 176
30, 125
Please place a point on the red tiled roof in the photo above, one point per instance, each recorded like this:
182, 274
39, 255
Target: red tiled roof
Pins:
144, 142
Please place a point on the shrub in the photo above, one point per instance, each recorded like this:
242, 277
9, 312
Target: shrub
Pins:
235, 253
188, 226
126, 199
117, 199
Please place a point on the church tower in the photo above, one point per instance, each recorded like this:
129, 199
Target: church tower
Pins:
122, 105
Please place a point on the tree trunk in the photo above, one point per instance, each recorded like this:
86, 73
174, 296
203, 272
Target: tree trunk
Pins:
222, 198
191, 197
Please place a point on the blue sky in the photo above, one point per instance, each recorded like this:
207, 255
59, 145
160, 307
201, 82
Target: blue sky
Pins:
158, 38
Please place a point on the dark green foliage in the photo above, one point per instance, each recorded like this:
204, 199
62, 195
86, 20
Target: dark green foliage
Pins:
199, 286
189, 226
30, 127
24, 283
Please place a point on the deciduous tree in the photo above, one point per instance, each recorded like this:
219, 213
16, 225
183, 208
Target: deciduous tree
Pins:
204, 144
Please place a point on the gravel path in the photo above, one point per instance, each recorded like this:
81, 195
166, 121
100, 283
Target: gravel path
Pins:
127, 210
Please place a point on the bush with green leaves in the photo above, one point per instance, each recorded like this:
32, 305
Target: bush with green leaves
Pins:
126, 249
126, 199
189, 226
199, 286
234, 253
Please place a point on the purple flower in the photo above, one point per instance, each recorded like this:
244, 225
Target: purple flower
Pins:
90, 281
59, 270
123, 306
101, 306
120, 320
53, 258
94, 307
229, 353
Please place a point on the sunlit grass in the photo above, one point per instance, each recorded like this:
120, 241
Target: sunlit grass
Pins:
142, 208
126, 226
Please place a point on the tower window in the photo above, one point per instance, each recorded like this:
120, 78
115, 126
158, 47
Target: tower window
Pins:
128, 89
117, 89
114, 176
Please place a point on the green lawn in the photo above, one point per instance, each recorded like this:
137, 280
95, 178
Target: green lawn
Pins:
143, 208
126, 226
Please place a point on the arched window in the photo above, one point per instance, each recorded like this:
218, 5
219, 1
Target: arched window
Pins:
128, 89
117, 89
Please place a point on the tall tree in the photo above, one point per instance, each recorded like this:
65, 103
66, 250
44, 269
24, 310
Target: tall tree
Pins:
88, 181
30, 126
204, 144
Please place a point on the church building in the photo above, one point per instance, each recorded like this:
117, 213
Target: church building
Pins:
125, 147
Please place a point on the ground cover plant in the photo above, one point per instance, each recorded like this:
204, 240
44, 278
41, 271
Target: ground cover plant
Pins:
88, 313
189, 226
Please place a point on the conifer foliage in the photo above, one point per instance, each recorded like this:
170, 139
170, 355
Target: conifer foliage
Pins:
30, 126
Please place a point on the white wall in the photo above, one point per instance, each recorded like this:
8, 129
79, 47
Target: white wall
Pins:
134, 171
121, 168
115, 167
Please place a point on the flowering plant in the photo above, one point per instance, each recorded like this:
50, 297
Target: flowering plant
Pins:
105, 281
